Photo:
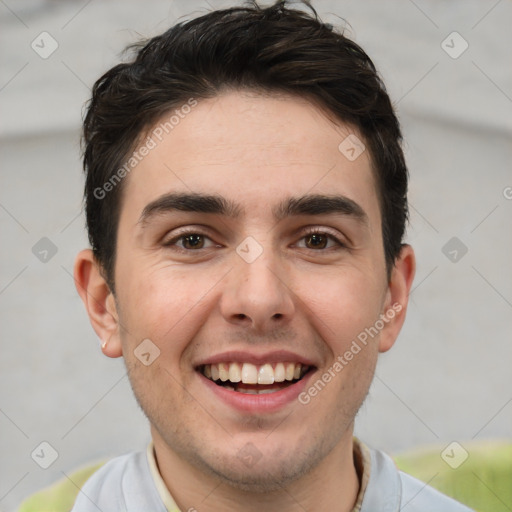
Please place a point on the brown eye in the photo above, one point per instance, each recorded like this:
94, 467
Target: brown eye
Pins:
189, 241
319, 241
193, 241
316, 241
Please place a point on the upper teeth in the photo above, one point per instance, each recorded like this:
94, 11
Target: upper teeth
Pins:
251, 374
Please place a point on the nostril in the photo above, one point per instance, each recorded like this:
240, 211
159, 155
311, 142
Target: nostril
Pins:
277, 316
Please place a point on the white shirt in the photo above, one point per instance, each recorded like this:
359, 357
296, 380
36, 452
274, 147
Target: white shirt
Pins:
132, 483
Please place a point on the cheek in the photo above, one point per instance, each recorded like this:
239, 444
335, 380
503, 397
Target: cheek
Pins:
342, 306
166, 305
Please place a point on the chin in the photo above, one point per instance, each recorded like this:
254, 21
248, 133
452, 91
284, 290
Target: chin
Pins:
270, 472
258, 479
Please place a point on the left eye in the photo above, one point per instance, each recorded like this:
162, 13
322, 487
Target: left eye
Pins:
319, 241
190, 241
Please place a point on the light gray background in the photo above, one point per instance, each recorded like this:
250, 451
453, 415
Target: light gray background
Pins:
449, 375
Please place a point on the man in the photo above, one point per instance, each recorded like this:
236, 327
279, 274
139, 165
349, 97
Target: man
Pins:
246, 204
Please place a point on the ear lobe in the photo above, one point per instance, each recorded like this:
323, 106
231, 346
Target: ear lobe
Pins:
397, 297
98, 301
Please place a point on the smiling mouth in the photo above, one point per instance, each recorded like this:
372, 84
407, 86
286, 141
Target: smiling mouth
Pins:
254, 379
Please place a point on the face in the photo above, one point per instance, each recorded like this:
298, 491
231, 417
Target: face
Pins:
250, 259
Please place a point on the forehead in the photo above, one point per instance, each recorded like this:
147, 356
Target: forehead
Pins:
252, 148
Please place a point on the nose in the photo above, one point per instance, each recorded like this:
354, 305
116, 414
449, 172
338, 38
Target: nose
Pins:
257, 296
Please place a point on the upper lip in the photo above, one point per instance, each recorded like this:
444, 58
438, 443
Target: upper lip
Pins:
241, 356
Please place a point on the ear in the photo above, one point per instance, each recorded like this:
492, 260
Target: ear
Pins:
397, 297
99, 302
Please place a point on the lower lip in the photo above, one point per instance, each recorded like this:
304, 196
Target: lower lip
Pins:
264, 403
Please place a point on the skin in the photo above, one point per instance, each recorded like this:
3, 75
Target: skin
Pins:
194, 303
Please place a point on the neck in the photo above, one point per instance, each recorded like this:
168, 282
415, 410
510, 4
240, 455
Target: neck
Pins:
332, 485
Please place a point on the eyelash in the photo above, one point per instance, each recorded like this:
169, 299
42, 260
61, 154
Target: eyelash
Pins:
315, 231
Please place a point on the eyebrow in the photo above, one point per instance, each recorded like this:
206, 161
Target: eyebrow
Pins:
190, 202
319, 204
311, 204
